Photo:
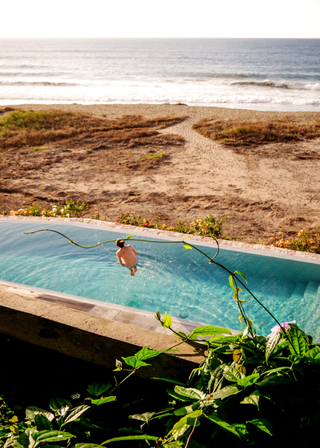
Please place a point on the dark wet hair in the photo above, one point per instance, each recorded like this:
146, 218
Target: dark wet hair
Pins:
120, 242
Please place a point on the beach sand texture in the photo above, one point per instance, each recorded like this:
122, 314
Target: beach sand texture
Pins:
272, 188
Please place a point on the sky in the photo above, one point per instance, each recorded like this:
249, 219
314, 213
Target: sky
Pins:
165, 18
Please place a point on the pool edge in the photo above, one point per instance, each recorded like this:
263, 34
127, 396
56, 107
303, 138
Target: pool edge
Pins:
90, 337
261, 249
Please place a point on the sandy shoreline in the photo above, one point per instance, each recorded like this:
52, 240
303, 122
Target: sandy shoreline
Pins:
262, 192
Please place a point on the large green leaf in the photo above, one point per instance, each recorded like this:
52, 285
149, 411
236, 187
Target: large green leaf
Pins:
190, 393
104, 400
175, 444
167, 321
42, 423
225, 392
272, 342
137, 360
60, 405
143, 417
299, 341
180, 397
232, 374
217, 340
187, 409
215, 382
132, 361
210, 330
32, 411
240, 428
224, 425
262, 424
241, 275
75, 413
98, 388
231, 283
253, 398
313, 355
248, 380
184, 424
277, 370
21, 442
146, 353
125, 438
51, 436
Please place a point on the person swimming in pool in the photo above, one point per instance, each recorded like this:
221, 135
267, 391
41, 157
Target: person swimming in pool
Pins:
127, 256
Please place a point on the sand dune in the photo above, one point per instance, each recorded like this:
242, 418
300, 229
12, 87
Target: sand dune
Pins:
263, 191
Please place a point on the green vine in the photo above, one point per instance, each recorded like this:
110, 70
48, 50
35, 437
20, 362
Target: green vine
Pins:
233, 279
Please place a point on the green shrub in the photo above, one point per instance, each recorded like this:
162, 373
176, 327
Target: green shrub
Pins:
208, 226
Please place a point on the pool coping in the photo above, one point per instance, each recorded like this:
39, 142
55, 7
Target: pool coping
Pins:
92, 338
158, 233
133, 316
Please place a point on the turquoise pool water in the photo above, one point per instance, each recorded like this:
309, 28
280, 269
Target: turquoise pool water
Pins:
170, 278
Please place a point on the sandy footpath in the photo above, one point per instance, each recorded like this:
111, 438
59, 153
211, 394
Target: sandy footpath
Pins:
271, 188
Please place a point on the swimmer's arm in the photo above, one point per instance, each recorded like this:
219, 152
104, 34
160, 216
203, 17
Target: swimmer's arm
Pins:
120, 260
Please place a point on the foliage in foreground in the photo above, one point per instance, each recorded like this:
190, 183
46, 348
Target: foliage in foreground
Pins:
250, 390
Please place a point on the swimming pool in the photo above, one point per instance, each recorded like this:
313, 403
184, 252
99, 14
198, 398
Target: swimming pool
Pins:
170, 278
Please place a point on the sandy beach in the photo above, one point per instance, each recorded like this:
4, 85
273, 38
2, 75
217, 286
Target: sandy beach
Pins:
263, 190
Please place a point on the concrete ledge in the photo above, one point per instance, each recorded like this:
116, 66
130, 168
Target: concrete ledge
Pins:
92, 338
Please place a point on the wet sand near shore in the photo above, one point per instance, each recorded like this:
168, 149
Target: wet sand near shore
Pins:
275, 187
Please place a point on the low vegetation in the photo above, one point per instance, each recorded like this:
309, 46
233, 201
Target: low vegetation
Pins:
68, 210
36, 128
208, 226
256, 133
305, 240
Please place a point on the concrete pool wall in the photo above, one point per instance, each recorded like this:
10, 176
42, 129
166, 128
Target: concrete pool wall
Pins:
99, 332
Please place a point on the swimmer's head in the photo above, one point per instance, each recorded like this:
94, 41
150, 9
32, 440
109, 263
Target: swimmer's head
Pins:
120, 242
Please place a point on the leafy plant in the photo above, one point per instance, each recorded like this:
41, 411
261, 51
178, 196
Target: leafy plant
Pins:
252, 388
305, 240
70, 208
65, 422
208, 226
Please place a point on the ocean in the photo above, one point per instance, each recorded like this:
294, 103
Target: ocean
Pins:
259, 74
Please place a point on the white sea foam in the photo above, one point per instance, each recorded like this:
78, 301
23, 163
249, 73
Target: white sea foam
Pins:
232, 73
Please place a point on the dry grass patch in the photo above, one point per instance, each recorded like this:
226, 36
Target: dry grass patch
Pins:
35, 128
256, 133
